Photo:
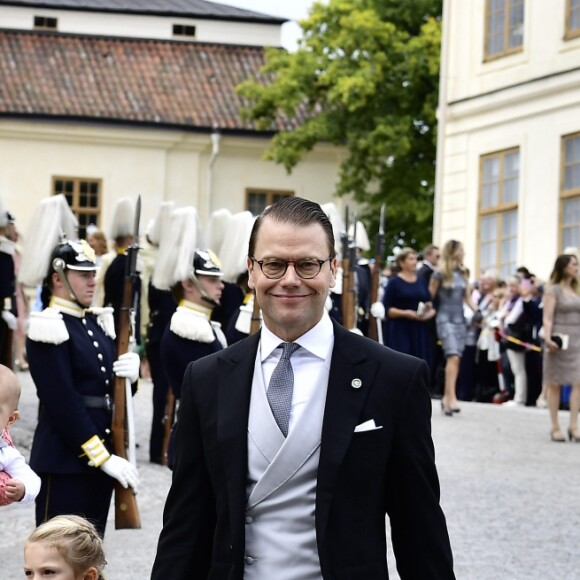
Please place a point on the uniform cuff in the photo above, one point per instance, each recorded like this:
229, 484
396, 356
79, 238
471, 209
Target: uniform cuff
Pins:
96, 451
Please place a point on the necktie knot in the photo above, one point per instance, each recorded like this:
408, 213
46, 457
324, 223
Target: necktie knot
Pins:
288, 349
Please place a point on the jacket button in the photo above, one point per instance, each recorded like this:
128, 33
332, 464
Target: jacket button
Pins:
249, 519
249, 560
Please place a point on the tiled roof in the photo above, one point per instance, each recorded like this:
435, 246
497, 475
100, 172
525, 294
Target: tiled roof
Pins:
184, 8
185, 84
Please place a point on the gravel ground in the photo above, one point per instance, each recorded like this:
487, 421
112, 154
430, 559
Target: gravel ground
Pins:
508, 493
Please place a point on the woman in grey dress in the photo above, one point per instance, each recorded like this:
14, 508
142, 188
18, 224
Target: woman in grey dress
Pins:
449, 284
562, 365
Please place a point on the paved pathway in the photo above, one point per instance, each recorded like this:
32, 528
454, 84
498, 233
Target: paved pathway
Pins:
509, 493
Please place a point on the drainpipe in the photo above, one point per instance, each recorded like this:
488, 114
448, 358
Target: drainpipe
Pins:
441, 123
215, 151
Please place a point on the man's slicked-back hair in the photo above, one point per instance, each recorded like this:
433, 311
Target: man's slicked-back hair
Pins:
295, 211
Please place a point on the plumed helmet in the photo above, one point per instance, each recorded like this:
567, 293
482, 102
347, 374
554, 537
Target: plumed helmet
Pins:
53, 220
362, 238
73, 255
206, 263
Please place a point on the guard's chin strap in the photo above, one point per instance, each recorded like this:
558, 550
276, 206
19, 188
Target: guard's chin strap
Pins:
204, 295
59, 267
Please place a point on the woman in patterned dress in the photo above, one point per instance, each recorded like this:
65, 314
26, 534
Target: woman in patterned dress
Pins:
449, 285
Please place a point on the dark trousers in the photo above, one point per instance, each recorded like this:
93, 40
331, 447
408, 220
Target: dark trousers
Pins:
5, 345
487, 378
160, 388
87, 495
466, 378
534, 373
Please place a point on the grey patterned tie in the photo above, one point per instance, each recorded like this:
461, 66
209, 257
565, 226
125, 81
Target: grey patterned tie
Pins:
281, 386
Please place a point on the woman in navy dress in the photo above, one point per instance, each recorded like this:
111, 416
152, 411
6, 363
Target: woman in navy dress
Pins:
408, 307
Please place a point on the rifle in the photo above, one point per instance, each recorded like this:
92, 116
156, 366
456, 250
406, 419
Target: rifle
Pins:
256, 320
167, 424
126, 511
347, 303
375, 327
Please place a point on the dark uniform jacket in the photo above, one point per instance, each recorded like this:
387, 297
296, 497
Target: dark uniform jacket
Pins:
114, 289
189, 337
69, 359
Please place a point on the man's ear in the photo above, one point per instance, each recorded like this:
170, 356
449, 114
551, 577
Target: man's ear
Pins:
14, 416
333, 270
250, 265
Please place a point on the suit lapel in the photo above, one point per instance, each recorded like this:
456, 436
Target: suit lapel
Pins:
351, 376
236, 368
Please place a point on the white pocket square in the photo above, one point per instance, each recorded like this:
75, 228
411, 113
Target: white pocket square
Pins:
369, 425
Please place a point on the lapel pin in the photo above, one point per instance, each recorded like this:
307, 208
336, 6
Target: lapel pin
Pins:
356, 383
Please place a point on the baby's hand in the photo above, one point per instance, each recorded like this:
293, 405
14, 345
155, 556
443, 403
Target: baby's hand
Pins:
15, 490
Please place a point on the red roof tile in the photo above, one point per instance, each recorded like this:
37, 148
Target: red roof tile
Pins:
125, 80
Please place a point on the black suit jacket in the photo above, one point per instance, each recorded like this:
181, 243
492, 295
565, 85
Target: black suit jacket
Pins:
361, 476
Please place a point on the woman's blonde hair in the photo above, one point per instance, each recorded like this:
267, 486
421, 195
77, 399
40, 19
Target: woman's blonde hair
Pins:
100, 241
75, 539
450, 263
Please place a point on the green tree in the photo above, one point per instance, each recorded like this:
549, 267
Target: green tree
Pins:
365, 77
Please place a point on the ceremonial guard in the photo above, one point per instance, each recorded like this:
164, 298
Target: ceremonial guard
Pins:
191, 334
195, 279
8, 320
71, 354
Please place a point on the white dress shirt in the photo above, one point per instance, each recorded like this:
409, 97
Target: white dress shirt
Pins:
307, 362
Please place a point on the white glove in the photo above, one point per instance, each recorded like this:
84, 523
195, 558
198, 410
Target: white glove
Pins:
121, 470
127, 366
378, 310
9, 319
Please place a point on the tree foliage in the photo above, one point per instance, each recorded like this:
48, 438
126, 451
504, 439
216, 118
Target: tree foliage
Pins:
364, 77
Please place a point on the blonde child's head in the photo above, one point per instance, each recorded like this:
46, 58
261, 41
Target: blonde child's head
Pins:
9, 397
69, 543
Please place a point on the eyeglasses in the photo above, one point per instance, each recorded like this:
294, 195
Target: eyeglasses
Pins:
305, 268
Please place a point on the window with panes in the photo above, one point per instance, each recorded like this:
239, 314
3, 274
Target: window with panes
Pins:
257, 200
504, 27
572, 18
45, 23
498, 211
570, 192
84, 198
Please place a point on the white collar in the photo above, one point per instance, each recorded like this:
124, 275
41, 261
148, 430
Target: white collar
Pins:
197, 308
316, 340
66, 307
